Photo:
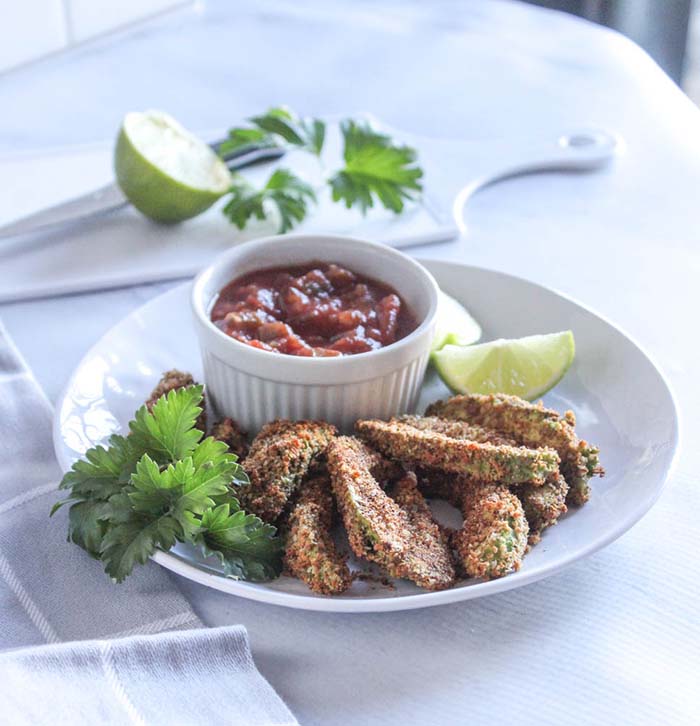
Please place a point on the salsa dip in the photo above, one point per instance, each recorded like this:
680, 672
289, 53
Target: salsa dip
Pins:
316, 309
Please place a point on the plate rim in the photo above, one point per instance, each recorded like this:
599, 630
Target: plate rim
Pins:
179, 566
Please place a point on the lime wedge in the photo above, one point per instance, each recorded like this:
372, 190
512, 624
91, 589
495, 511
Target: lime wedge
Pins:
455, 326
166, 172
526, 367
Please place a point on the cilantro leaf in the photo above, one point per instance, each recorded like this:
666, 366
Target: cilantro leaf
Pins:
277, 127
286, 191
167, 431
246, 547
374, 168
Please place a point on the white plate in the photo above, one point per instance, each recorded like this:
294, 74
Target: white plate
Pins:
621, 400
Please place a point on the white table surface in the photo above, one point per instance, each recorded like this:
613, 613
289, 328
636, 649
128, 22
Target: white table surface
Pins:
614, 639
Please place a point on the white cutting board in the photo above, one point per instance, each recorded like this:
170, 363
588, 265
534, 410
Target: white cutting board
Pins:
125, 248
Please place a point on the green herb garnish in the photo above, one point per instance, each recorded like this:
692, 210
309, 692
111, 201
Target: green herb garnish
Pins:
277, 127
375, 169
162, 484
287, 192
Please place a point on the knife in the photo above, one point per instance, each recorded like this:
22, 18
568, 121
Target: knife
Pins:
110, 198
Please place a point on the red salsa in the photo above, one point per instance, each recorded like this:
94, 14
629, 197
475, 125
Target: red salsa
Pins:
316, 309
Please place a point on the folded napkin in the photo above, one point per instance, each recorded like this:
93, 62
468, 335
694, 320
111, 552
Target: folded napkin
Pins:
196, 677
51, 592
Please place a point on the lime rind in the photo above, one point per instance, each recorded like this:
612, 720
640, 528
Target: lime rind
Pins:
166, 172
526, 367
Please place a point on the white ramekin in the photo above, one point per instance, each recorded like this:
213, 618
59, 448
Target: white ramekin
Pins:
255, 386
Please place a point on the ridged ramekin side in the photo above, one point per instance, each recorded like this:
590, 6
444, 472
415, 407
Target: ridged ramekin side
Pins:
252, 400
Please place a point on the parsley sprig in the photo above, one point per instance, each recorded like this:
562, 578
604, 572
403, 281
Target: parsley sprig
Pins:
277, 127
375, 169
286, 191
162, 484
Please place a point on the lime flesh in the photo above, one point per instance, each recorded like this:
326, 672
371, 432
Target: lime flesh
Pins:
455, 326
166, 172
526, 367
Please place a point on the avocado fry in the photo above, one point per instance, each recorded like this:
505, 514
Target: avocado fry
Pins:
543, 505
530, 425
310, 553
494, 537
437, 450
279, 459
457, 430
432, 559
394, 533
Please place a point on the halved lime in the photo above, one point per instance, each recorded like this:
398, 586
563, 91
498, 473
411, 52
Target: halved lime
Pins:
526, 367
166, 172
455, 326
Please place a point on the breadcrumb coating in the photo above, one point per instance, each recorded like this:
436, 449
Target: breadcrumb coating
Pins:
487, 462
228, 431
494, 537
530, 425
543, 505
279, 459
457, 430
310, 553
393, 533
432, 560
171, 381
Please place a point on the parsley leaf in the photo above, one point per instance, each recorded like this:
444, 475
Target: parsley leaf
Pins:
92, 482
376, 170
286, 191
87, 525
103, 471
161, 485
277, 127
374, 167
134, 541
167, 431
246, 547
212, 449
239, 139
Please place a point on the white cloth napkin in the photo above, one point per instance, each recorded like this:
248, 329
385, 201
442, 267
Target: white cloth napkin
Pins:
197, 677
51, 592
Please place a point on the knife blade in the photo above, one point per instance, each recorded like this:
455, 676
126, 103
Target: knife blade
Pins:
110, 198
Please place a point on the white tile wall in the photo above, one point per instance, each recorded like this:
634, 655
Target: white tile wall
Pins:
30, 29
89, 18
